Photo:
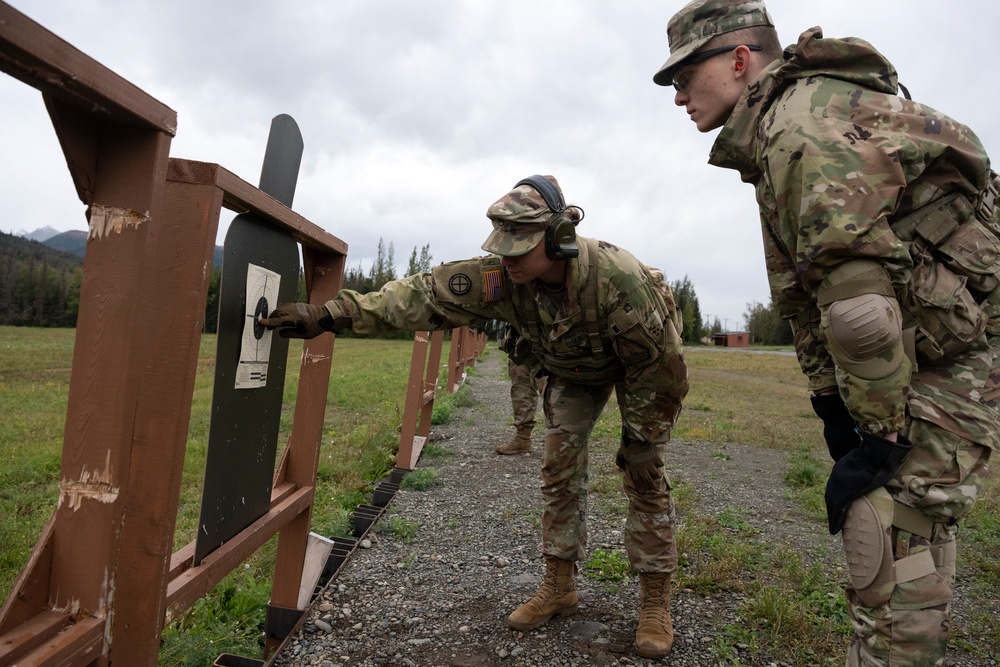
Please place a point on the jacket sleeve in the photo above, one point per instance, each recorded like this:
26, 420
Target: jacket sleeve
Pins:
451, 295
647, 341
797, 308
834, 193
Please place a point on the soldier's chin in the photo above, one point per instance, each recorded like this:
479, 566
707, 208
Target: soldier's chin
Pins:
517, 277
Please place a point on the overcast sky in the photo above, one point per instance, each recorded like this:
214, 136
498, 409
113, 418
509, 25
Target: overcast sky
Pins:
417, 115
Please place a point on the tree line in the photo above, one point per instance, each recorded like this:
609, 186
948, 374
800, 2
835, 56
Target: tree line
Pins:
765, 326
40, 287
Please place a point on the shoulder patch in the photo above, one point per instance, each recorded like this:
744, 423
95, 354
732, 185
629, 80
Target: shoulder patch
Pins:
460, 284
493, 280
463, 282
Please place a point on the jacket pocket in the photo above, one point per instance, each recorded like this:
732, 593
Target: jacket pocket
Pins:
973, 252
947, 316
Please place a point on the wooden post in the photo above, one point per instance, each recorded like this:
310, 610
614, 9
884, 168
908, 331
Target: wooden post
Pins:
301, 457
430, 384
420, 394
101, 581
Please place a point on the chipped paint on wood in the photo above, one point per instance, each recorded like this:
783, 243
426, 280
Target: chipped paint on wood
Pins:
95, 485
107, 220
314, 358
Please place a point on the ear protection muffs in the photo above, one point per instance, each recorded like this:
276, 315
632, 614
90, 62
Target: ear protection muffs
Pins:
560, 235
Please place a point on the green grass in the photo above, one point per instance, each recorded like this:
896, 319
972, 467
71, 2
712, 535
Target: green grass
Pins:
793, 610
605, 565
420, 480
752, 399
398, 528
433, 450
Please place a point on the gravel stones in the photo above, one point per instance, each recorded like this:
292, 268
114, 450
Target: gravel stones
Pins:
442, 598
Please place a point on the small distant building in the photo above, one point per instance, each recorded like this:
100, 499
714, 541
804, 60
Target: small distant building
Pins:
731, 339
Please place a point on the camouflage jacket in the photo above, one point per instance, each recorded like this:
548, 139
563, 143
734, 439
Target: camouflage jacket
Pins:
637, 341
837, 160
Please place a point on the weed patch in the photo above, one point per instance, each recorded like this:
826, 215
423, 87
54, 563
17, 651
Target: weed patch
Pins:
605, 565
403, 530
711, 556
420, 480
433, 450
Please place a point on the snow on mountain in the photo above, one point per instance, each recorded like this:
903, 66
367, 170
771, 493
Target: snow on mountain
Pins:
41, 234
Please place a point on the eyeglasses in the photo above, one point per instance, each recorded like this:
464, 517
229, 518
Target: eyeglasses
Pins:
681, 82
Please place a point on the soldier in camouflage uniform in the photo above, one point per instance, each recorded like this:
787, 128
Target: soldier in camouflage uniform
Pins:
525, 386
882, 244
596, 320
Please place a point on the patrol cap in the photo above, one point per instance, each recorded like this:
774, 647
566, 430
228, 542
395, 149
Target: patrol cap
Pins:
520, 219
699, 21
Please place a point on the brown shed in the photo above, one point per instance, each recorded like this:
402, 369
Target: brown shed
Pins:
731, 339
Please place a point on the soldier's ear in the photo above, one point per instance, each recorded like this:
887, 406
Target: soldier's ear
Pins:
741, 61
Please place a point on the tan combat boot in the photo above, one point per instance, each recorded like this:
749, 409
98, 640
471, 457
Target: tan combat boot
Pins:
655, 634
519, 444
557, 595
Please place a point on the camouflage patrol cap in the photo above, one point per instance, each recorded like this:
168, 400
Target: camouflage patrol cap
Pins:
519, 219
697, 22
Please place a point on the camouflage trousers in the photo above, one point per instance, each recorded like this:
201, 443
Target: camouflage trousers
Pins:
904, 619
571, 410
524, 390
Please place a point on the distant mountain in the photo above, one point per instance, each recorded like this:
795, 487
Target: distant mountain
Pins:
73, 242
41, 234
17, 249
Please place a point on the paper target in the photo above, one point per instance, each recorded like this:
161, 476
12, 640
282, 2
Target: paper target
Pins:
262, 296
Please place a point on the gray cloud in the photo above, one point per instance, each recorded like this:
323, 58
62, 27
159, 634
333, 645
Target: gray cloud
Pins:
416, 116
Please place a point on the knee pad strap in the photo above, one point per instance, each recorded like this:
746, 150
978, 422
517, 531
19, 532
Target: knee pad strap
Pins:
915, 566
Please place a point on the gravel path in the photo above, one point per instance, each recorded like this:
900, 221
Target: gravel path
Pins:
441, 597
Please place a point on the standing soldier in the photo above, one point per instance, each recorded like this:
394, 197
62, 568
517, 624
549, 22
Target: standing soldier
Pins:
881, 242
597, 322
525, 386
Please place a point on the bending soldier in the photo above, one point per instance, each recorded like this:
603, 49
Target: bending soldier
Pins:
597, 322
881, 236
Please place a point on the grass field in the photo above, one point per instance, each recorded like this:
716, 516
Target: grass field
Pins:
736, 396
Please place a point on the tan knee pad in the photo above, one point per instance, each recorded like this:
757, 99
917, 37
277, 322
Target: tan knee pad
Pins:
861, 330
868, 547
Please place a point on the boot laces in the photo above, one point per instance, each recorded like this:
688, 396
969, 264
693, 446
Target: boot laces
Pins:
654, 605
655, 615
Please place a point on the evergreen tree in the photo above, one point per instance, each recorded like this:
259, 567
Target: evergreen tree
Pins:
383, 269
765, 326
425, 258
419, 264
687, 304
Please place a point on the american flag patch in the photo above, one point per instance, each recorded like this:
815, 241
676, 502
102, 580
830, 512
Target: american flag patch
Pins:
494, 284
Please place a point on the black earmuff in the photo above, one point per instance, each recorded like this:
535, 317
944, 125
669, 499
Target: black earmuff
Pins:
560, 234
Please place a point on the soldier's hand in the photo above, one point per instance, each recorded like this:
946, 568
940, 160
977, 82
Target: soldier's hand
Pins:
642, 463
299, 320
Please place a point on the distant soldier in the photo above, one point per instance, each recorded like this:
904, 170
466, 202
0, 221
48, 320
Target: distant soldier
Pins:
882, 237
525, 387
597, 321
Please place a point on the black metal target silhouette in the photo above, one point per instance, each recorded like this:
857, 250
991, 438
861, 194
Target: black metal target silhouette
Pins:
243, 434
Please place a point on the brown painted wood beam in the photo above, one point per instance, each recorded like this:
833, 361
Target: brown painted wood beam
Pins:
48, 63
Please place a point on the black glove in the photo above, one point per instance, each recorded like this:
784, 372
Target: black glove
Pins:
641, 463
839, 429
860, 471
302, 320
